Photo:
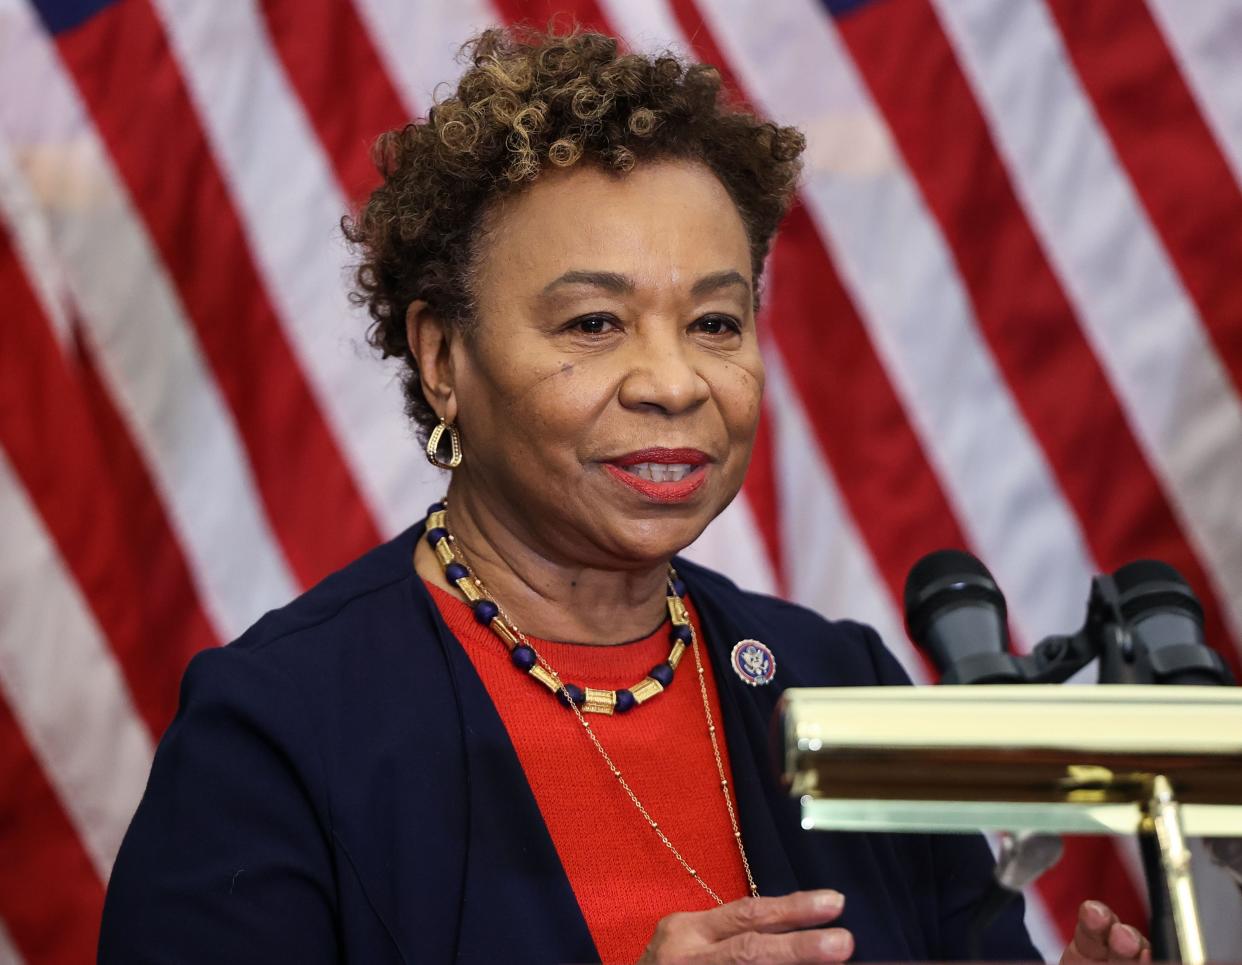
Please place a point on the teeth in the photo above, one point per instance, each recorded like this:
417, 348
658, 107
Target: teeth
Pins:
659, 471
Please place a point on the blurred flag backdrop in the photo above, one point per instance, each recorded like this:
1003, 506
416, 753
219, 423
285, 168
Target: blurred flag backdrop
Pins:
1005, 314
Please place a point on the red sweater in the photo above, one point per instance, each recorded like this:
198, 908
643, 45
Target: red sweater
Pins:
624, 878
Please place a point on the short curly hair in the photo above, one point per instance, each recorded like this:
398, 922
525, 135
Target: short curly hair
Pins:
529, 99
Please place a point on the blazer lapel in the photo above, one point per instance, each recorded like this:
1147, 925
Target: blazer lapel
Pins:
747, 714
516, 896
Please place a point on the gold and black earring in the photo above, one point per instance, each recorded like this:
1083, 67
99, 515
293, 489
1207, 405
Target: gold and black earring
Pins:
434, 445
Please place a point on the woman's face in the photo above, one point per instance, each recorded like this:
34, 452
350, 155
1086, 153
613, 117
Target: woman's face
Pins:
609, 395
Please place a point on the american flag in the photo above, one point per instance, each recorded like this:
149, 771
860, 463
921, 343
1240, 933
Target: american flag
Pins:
1004, 314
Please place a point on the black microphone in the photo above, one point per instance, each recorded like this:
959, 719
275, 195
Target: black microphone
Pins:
1165, 623
956, 613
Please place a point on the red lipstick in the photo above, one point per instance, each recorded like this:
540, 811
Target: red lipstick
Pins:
661, 492
667, 457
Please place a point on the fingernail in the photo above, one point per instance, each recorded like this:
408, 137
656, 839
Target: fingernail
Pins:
829, 901
835, 943
1133, 940
1097, 909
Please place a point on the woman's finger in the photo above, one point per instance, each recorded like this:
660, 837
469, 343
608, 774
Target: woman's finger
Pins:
801, 909
754, 948
1125, 943
1091, 935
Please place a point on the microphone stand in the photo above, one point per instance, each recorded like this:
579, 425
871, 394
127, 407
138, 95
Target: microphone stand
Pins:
1176, 934
1023, 857
1115, 631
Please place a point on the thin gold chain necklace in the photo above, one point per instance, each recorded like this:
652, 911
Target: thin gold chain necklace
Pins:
449, 551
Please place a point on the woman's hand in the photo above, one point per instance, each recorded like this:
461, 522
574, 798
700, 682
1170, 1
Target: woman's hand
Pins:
1101, 937
753, 931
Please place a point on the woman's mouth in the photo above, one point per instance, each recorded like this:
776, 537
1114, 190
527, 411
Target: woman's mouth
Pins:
661, 475
660, 472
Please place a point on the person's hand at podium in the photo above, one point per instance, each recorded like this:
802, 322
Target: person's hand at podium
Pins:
782, 931
1101, 937
787, 930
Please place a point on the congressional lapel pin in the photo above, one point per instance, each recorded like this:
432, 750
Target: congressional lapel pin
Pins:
754, 663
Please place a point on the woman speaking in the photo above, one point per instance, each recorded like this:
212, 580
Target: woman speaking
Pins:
523, 730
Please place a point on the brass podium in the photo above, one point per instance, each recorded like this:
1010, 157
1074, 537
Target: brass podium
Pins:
1161, 761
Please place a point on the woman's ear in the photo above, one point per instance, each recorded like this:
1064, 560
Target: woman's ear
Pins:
429, 338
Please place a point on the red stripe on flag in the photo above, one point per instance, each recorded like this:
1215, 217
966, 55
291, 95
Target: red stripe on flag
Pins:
1057, 381
885, 480
763, 494
1169, 152
88, 483
320, 42
50, 896
697, 34
129, 79
541, 13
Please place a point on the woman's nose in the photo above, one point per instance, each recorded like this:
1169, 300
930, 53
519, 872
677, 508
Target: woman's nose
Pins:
662, 375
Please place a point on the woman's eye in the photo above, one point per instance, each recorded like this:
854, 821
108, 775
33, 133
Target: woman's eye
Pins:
718, 324
593, 324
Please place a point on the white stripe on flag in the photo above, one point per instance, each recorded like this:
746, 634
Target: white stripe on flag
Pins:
1206, 36
900, 271
647, 25
1134, 311
8, 951
32, 239
418, 43
289, 205
148, 356
1220, 905
829, 568
62, 681
731, 544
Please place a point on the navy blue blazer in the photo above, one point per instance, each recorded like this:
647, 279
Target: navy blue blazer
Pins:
337, 786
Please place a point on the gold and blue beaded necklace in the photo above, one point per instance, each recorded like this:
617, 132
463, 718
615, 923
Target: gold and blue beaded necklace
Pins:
489, 614
583, 700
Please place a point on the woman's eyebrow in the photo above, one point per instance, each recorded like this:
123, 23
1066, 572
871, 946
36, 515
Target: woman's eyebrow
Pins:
718, 280
619, 284
610, 281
